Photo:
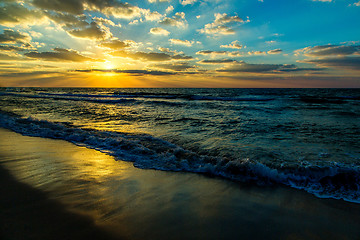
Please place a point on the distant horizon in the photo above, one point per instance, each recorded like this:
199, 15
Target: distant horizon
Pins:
180, 44
196, 87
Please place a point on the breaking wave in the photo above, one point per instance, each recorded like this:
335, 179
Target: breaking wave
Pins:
340, 181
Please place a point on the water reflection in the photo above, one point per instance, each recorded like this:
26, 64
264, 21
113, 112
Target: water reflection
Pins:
148, 204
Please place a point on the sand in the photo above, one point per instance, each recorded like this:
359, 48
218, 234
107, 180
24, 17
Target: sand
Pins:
52, 189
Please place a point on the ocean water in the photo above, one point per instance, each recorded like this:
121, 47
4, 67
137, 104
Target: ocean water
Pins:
303, 138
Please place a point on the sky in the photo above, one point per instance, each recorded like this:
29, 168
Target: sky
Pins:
180, 43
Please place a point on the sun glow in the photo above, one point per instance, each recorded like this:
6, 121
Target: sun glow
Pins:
108, 65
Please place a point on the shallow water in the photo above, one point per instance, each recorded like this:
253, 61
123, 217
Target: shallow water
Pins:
149, 204
304, 138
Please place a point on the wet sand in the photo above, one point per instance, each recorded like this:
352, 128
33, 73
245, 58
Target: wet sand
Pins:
52, 189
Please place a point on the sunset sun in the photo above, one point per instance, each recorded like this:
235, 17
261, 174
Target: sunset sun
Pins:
108, 65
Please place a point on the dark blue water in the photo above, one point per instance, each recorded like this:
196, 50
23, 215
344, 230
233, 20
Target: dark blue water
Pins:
303, 138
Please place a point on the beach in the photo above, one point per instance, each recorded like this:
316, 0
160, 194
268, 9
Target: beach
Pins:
63, 188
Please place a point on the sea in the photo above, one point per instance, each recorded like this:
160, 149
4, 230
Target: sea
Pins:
302, 138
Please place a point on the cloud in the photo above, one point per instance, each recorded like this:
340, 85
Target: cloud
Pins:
218, 61
235, 44
159, 31
348, 62
254, 68
256, 53
35, 34
182, 66
330, 50
335, 56
13, 14
77, 26
210, 52
113, 8
101, 20
152, 56
12, 37
176, 55
275, 51
215, 53
181, 42
92, 31
69, 6
222, 25
59, 54
12, 48
178, 20
322, 0
67, 21
181, 57
6, 57
270, 42
114, 44
167, 50
169, 9
153, 1
264, 68
151, 16
186, 2
134, 72
357, 4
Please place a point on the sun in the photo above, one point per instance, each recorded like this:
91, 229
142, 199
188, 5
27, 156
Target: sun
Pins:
108, 65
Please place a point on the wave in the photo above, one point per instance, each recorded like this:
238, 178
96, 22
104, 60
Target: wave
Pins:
328, 100
101, 97
234, 99
70, 97
338, 181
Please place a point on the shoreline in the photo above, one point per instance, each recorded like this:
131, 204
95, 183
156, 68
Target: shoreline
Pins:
28, 213
147, 204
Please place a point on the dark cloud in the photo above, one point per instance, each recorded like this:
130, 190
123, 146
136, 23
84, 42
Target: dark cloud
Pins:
70, 6
151, 56
331, 50
10, 57
175, 66
135, 72
113, 8
68, 20
77, 26
275, 51
349, 62
13, 37
218, 61
12, 48
92, 31
60, 54
264, 68
209, 52
14, 13
181, 57
114, 44
254, 68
